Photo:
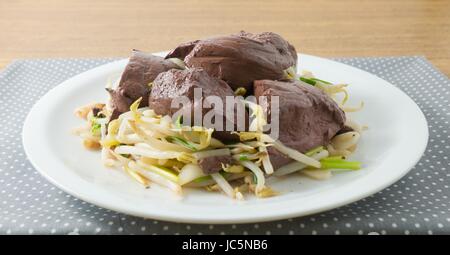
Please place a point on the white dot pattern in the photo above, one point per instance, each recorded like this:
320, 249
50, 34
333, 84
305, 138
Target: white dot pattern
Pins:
417, 204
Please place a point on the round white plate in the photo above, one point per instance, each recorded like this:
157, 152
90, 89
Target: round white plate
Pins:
395, 141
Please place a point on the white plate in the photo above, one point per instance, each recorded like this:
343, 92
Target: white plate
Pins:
395, 141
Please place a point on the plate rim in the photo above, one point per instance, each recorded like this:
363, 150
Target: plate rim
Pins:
26, 136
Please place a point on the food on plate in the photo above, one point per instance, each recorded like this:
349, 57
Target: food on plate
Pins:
136, 79
176, 83
240, 59
308, 117
224, 114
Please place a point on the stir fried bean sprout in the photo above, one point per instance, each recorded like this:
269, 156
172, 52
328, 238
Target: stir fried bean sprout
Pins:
151, 148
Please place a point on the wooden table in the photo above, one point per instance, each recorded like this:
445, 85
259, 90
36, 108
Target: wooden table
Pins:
100, 28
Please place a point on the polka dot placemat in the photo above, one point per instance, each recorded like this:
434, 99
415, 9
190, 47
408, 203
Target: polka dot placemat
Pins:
417, 204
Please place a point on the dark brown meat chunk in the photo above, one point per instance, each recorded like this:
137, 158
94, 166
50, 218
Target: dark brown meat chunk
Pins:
213, 164
241, 58
140, 71
308, 118
174, 84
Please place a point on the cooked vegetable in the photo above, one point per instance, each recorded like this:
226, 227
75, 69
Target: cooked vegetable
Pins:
188, 173
95, 129
138, 177
297, 166
345, 140
134, 109
317, 174
82, 112
163, 171
332, 158
178, 62
241, 91
290, 73
155, 148
91, 144
202, 179
294, 154
260, 180
182, 142
223, 184
314, 151
319, 80
211, 153
259, 120
156, 178
234, 169
179, 121
340, 164
243, 157
268, 168
353, 109
307, 80
134, 150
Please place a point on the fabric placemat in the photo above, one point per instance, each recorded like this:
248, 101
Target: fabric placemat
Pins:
417, 204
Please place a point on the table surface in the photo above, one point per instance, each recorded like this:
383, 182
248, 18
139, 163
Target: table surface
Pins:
103, 28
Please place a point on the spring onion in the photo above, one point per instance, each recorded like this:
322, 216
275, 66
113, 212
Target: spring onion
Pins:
95, 129
153, 142
266, 192
182, 142
332, 158
209, 181
208, 177
340, 164
179, 121
254, 178
319, 80
202, 179
307, 80
313, 81
163, 171
243, 157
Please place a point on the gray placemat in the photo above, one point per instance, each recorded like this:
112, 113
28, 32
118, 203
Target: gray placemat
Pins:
417, 204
